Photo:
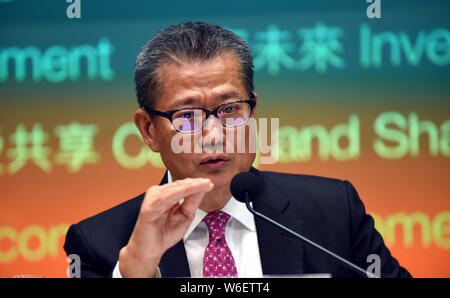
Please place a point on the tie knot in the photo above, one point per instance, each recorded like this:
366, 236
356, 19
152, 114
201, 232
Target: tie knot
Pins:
216, 222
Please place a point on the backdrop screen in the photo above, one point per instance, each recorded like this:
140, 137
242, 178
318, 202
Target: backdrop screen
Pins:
358, 98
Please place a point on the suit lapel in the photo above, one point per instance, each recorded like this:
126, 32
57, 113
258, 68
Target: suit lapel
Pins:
174, 262
280, 252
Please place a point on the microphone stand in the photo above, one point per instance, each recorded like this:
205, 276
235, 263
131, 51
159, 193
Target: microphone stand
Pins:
348, 264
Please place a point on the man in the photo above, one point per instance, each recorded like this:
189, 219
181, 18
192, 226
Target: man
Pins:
191, 79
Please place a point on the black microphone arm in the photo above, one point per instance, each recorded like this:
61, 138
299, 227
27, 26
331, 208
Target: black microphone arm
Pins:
326, 251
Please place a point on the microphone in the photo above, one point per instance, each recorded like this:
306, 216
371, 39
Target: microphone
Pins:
245, 187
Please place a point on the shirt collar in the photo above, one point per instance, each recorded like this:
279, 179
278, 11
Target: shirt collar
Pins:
234, 208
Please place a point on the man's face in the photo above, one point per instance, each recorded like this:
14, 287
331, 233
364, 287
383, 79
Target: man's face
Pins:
202, 84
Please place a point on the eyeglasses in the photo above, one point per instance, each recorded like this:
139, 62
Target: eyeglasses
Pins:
188, 120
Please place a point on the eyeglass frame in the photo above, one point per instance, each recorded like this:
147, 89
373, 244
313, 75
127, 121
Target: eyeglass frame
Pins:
169, 114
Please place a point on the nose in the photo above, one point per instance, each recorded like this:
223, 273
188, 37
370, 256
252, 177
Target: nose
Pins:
212, 125
212, 133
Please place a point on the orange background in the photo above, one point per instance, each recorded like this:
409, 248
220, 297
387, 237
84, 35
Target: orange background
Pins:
387, 187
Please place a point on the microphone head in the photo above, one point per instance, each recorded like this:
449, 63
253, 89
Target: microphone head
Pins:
245, 182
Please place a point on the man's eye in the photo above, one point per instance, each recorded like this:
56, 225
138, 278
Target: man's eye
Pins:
229, 110
186, 115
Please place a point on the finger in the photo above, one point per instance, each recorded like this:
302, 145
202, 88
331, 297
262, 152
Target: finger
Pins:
186, 181
190, 204
166, 198
170, 186
166, 190
187, 192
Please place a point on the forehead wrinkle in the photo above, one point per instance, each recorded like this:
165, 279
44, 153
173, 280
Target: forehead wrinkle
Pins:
217, 99
190, 77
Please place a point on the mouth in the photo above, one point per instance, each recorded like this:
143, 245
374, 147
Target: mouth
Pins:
214, 162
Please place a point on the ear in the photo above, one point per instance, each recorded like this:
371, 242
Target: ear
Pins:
146, 126
255, 97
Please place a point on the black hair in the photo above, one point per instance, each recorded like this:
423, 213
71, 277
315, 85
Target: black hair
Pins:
188, 41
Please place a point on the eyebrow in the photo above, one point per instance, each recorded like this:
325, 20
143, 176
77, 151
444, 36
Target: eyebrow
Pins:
228, 95
191, 101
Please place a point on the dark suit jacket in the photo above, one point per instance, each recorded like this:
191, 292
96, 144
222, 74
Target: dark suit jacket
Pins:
327, 211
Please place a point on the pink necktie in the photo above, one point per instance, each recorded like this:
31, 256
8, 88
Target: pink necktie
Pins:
218, 261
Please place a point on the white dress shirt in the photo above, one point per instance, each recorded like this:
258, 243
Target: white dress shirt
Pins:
240, 234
